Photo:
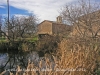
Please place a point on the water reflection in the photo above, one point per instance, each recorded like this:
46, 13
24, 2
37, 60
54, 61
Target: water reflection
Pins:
3, 59
11, 61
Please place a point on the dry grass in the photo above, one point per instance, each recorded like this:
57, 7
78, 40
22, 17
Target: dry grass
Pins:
71, 59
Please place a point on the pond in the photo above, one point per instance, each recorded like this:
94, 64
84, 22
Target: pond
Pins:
3, 59
7, 62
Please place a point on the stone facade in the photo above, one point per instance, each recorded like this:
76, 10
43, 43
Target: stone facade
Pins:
45, 27
53, 28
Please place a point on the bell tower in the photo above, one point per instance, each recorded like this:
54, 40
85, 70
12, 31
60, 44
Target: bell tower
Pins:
59, 19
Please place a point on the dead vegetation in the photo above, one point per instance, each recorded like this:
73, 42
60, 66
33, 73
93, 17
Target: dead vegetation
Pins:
74, 57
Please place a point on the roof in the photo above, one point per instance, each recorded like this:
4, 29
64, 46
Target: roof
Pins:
69, 27
53, 22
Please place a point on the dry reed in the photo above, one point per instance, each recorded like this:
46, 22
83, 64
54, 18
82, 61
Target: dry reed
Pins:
70, 59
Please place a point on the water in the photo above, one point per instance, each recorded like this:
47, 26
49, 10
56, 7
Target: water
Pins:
32, 56
3, 59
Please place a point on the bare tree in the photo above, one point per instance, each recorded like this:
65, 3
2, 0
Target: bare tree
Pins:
84, 16
20, 27
27, 26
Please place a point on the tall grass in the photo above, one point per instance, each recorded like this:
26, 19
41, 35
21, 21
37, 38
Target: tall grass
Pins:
72, 58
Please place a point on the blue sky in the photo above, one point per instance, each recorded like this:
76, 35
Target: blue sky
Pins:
13, 11
43, 9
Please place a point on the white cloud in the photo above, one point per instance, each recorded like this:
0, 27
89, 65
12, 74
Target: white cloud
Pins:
44, 9
2, 6
20, 15
16, 15
4, 15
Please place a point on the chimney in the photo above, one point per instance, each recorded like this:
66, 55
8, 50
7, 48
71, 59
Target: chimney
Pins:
59, 19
